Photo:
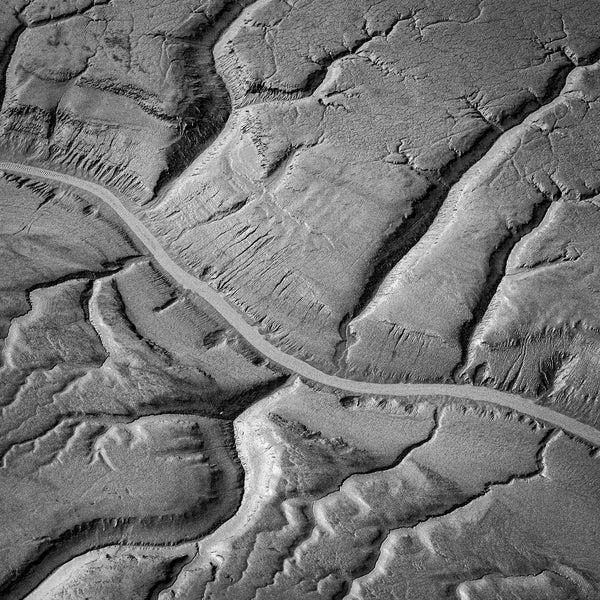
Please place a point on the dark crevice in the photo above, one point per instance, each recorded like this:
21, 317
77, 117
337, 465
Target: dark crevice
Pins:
89, 276
342, 346
437, 510
204, 112
440, 512
308, 529
303, 534
122, 311
43, 190
342, 591
51, 126
84, 300
403, 238
234, 405
148, 531
283, 162
403, 455
208, 111
5, 448
258, 90
227, 212
373, 557
102, 532
9, 48
109, 268
549, 371
167, 304
568, 256
6, 56
584, 60
537, 471
356, 47
170, 576
496, 270
64, 17
411, 230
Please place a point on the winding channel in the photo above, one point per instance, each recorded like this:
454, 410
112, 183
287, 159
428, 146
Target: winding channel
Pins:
306, 371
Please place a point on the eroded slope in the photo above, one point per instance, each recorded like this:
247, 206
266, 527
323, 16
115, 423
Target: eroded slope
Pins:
448, 502
125, 93
107, 435
390, 193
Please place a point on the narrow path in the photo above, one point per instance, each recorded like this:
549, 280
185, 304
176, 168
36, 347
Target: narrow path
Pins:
252, 335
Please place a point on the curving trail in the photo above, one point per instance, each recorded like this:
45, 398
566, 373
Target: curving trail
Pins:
306, 371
